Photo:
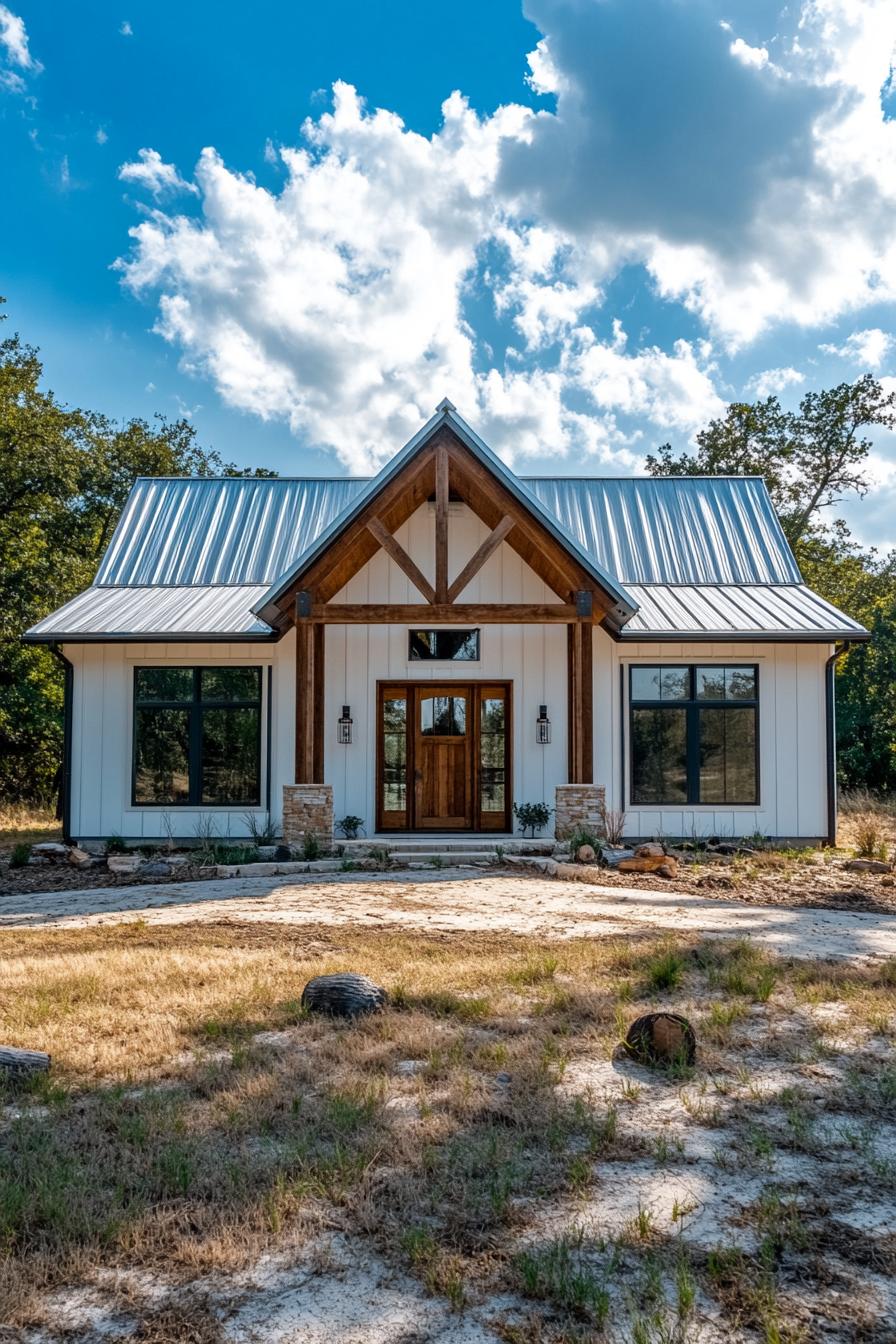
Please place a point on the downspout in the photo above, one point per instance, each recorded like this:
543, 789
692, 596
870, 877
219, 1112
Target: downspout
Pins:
65, 793
831, 734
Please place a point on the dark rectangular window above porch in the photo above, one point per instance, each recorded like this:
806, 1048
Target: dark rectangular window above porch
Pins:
197, 736
455, 646
693, 735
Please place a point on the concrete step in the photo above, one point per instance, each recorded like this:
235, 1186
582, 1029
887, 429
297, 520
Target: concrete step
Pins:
447, 845
416, 858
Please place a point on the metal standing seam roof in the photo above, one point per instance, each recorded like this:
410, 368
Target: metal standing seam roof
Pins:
689, 556
738, 611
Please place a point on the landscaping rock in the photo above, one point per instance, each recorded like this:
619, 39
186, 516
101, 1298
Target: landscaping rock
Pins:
868, 866
661, 864
662, 1038
585, 854
653, 850
154, 869
344, 994
730, 849
282, 853
79, 858
613, 857
176, 860
51, 850
268, 852
124, 863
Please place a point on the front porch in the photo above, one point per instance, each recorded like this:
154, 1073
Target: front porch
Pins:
449, 744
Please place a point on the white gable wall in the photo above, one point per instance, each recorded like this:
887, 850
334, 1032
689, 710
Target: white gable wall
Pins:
531, 657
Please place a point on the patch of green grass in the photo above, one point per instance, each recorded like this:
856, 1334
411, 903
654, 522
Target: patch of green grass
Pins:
534, 971
666, 971
560, 1273
443, 1003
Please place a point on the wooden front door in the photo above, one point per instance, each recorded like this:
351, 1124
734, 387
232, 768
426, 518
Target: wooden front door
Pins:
443, 785
443, 756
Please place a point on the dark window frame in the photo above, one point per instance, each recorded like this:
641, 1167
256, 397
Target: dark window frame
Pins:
450, 630
195, 708
692, 707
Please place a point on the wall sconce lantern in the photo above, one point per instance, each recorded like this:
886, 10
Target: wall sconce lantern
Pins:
344, 727
542, 727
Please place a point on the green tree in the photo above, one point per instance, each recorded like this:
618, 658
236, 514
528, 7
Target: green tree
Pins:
64, 477
811, 459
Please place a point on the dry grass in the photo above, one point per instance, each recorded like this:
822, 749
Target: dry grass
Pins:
27, 823
867, 824
195, 1116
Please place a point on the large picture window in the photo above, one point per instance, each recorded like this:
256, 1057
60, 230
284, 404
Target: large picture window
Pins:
197, 736
694, 734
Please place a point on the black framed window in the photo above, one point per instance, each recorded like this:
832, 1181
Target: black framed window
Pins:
446, 646
694, 734
197, 736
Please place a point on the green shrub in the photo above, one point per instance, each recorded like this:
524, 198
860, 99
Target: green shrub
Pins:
532, 816
311, 847
20, 855
350, 826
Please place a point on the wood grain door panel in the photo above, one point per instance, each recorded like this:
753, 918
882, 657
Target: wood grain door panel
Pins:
444, 756
443, 792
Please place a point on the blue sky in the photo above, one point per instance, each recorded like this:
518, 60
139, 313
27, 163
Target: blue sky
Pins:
590, 223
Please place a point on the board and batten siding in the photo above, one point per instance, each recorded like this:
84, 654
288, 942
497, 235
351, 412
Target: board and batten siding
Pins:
531, 657
102, 736
792, 738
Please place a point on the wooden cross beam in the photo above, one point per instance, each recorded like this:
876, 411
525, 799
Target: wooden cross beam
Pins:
475, 563
397, 552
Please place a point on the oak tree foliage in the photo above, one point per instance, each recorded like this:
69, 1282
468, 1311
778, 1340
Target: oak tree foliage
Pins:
65, 474
812, 459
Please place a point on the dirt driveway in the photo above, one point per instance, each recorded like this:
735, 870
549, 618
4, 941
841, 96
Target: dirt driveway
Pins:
461, 900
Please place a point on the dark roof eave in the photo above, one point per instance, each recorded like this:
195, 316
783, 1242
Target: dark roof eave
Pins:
739, 636
156, 637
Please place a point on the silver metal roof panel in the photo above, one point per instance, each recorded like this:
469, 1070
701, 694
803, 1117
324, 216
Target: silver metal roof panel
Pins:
153, 613
725, 611
675, 529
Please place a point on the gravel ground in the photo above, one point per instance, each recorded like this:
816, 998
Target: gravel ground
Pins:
457, 899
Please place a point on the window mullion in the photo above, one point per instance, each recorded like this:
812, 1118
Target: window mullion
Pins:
196, 739
693, 753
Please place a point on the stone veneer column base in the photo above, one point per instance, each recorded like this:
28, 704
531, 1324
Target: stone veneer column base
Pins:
307, 810
578, 805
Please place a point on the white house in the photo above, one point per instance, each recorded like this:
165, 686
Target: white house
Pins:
429, 647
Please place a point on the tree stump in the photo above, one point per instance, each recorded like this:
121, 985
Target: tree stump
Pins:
662, 1038
19, 1063
343, 995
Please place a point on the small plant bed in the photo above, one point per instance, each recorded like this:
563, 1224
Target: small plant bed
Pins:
208, 1161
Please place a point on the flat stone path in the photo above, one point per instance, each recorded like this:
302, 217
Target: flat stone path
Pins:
460, 900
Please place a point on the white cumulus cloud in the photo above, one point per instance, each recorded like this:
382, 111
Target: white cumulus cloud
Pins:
869, 348
771, 382
16, 60
151, 172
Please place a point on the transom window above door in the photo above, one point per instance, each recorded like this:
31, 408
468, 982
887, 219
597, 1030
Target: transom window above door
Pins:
446, 646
